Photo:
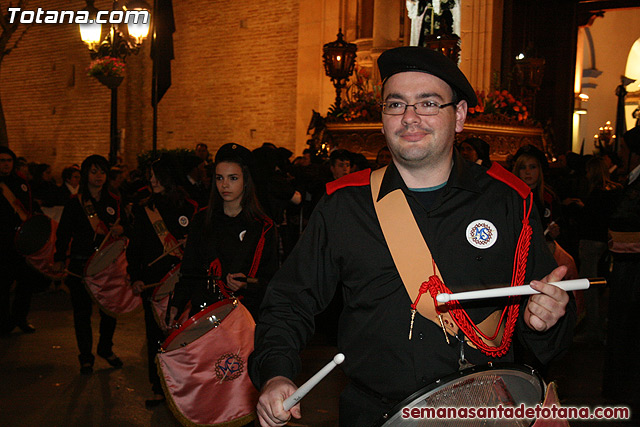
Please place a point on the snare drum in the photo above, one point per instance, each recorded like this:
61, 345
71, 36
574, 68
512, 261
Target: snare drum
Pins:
33, 235
162, 293
106, 279
487, 386
203, 367
35, 240
105, 257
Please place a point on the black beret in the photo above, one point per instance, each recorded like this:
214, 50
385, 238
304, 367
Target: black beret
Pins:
6, 150
234, 153
534, 151
632, 139
426, 60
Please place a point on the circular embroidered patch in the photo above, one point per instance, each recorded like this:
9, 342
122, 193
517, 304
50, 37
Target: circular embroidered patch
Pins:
110, 210
482, 234
24, 187
229, 367
183, 221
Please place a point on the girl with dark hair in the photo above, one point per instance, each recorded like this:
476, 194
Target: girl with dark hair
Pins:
43, 186
87, 219
232, 238
160, 225
15, 208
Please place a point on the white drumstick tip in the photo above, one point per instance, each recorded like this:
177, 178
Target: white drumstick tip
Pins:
312, 382
443, 298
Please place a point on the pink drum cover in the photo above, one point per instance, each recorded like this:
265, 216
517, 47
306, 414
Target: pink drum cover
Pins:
207, 381
111, 290
161, 296
43, 259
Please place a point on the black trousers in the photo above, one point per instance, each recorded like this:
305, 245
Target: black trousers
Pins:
621, 374
13, 268
82, 309
155, 337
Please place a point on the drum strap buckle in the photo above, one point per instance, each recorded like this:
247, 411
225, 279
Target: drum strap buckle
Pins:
463, 363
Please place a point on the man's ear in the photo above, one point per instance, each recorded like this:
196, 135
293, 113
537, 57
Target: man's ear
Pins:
461, 115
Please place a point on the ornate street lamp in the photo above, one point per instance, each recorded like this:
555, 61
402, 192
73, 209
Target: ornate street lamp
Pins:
339, 58
119, 42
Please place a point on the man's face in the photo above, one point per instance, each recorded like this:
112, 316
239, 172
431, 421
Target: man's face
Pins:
418, 141
6, 164
340, 168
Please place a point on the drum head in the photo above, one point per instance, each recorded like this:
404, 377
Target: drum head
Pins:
488, 386
168, 284
105, 257
33, 235
199, 324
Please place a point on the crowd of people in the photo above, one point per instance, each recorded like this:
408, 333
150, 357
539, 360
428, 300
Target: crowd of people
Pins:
293, 237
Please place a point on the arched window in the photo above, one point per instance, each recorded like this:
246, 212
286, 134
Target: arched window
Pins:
632, 101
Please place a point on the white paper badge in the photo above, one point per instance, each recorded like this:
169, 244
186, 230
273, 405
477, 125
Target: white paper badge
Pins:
24, 187
482, 234
242, 233
183, 221
110, 210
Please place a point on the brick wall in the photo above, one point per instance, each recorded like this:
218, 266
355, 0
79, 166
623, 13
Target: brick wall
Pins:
234, 80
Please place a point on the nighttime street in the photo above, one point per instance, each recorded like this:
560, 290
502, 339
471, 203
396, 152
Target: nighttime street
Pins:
43, 385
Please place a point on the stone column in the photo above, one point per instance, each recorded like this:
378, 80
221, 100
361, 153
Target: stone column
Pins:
481, 39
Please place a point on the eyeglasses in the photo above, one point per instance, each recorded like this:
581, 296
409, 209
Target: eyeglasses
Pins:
423, 108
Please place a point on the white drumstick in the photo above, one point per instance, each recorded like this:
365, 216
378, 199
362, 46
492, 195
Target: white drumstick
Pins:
508, 291
312, 382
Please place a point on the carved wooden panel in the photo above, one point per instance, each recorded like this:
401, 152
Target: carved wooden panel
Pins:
367, 139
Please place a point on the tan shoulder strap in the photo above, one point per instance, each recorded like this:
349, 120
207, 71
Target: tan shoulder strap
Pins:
167, 239
411, 255
14, 202
97, 225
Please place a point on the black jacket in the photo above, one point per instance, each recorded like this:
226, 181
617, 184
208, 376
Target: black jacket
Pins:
343, 242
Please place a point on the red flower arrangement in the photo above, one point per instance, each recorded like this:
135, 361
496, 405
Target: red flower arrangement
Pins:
107, 66
499, 107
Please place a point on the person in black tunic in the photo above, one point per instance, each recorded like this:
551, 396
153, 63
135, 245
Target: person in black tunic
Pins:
86, 220
233, 234
472, 220
13, 266
160, 224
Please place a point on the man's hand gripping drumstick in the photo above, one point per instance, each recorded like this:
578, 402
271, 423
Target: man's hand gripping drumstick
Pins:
547, 304
274, 410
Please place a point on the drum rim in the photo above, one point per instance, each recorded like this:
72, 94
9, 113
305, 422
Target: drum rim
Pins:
37, 216
491, 366
191, 320
108, 245
173, 270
